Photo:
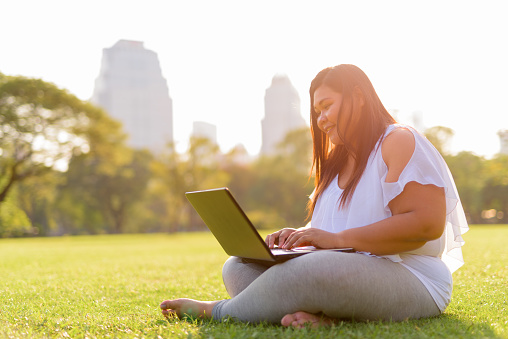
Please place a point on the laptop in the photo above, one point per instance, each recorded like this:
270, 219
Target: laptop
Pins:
235, 232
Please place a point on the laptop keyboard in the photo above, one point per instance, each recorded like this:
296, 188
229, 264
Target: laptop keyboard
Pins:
281, 250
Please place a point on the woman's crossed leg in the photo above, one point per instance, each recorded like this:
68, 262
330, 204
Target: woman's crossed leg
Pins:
315, 289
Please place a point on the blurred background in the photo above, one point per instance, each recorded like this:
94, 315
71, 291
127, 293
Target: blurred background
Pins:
110, 111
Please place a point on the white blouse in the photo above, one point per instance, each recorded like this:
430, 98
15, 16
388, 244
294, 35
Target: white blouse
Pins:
432, 263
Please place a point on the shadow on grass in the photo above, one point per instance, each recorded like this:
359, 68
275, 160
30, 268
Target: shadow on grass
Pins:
444, 326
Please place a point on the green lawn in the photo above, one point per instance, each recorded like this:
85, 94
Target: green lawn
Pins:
111, 286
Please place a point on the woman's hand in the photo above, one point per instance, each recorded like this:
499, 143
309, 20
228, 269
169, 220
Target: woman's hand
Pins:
311, 237
279, 237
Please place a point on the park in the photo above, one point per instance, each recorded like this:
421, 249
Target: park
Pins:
111, 286
90, 252
95, 233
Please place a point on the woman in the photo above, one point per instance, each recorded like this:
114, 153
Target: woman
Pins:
382, 189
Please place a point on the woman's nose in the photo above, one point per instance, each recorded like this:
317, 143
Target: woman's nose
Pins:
321, 119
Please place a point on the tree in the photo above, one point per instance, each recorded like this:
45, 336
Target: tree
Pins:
495, 189
36, 196
282, 185
13, 220
241, 174
296, 148
42, 127
440, 137
468, 172
174, 174
110, 186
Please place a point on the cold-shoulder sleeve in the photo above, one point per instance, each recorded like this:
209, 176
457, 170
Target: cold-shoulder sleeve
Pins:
427, 167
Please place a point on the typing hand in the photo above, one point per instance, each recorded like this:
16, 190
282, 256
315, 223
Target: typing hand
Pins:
279, 237
311, 237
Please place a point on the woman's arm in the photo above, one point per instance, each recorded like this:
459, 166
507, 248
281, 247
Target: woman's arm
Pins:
418, 216
418, 213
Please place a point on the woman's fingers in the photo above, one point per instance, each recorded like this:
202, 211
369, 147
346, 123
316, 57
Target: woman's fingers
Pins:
271, 238
314, 237
304, 237
279, 237
283, 236
292, 239
267, 240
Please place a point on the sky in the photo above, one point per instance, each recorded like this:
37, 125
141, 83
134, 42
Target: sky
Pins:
445, 59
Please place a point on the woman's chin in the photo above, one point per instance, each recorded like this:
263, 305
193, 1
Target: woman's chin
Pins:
336, 140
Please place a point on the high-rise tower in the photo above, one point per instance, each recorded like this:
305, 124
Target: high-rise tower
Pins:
201, 129
282, 113
503, 139
131, 88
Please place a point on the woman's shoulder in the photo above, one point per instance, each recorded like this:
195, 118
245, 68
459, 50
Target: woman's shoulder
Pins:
399, 134
398, 147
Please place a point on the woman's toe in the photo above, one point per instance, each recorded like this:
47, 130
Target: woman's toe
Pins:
288, 320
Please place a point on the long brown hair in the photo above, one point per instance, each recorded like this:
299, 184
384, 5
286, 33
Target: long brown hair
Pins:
328, 159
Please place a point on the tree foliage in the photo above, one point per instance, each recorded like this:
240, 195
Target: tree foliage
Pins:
482, 183
282, 180
495, 190
65, 169
440, 137
13, 220
109, 186
468, 172
42, 127
174, 174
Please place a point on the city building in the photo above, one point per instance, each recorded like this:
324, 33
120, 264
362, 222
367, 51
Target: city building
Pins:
282, 113
503, 138
131, 88
201, 129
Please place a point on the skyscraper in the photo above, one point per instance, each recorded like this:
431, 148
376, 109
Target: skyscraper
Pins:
201, 129
282, 113
503, 139
131, 88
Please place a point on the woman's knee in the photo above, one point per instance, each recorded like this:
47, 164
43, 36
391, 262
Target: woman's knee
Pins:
238, 274
230, 268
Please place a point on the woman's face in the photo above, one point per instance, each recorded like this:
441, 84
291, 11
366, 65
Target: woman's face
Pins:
327, 104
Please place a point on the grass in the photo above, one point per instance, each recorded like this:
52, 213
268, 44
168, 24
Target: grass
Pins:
111, 286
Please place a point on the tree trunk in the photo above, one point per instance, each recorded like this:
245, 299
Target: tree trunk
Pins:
7, 187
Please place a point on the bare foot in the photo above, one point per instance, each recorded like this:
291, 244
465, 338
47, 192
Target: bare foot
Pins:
302, 319
187, 307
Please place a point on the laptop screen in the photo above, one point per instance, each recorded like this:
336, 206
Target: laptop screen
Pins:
229, 224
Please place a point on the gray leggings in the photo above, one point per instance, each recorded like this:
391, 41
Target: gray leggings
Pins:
338, 285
